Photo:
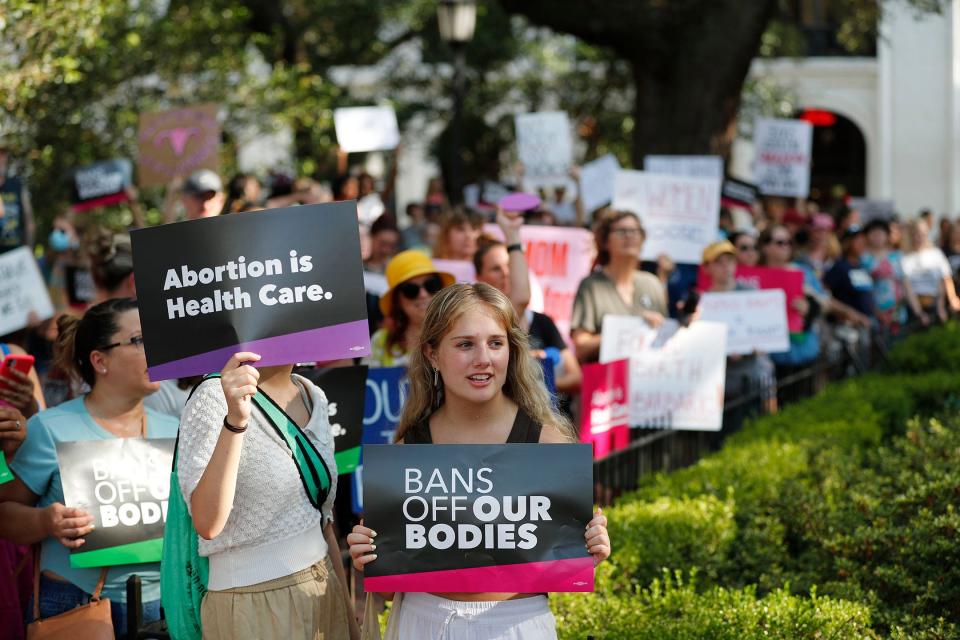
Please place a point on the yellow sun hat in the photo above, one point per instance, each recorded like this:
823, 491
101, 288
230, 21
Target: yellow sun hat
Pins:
404, 266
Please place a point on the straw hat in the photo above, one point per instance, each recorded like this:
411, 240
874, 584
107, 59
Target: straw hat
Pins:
717, 249
404, 266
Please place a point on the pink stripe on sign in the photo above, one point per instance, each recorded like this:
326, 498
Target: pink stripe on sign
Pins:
572, 575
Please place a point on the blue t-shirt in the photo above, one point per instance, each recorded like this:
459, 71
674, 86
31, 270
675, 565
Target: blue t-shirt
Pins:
852, 285
37, 467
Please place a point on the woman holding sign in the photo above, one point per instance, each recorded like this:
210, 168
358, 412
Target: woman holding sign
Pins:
256, 468
105, 350
618, 287
473, 382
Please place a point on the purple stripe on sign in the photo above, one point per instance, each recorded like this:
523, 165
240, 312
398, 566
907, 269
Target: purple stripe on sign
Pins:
346, 340
571, 575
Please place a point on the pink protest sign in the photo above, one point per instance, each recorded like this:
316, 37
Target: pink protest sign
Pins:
789, 280
519, 202
462, 270
177, 143
559, 258
604, 420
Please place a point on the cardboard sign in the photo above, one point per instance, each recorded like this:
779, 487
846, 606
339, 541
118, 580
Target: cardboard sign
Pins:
679, 214
596, 182
177, 143
366, 128
545, 147
756, 320
688, 166
344, 388
783, 152
475, 518
559, 258
739, 193
102, 184
790, 281
285, 283
124, 483
605, 419
676, 374
386, 392
22, 291
462, 270
5, 474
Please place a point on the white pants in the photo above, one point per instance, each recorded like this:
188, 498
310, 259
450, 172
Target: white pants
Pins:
426, 617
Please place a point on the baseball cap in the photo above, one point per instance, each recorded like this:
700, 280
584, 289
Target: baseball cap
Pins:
851, 231
202, 181
717, 249
823, 221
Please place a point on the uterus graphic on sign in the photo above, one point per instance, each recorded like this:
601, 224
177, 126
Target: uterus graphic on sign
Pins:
177, 143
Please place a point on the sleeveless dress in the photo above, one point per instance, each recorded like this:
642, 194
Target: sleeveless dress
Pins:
428, 617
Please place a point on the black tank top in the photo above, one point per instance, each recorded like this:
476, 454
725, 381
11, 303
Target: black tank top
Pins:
524, 430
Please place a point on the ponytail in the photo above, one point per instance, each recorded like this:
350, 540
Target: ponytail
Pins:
78, 338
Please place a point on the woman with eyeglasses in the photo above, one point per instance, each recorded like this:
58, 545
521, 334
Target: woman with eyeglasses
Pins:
618, 287
105, 349
412, 281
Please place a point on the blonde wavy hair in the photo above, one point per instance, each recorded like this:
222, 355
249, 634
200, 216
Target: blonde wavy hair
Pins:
524, 385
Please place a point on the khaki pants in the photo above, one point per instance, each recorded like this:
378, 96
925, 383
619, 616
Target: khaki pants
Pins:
308, 605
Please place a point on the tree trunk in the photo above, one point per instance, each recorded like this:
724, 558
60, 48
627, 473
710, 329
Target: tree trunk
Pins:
690, 59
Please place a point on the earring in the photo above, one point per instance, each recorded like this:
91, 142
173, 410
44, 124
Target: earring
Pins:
103, 371
436, 377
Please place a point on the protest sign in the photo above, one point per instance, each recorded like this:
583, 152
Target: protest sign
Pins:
22, 291
285, 283
124, 483
344, 388
783, 151
101, 184
596, 182
545, 148
676, 374
872, 209
366, 128
176, 143
81, 289
756, 320
738, 193
688, 166
13, 222
386, 392
605, 420
679, 214
5, 474
477, 518
790, 281
559, 258
462, 270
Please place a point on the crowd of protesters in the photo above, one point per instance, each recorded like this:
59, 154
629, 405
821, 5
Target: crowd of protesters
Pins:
863, 279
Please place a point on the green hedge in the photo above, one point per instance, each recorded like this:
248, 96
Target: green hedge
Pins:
844, 495
671, 609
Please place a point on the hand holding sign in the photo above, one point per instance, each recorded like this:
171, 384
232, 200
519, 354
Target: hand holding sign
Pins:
361, 541
12, 430
67, 524
239, 382
598, 539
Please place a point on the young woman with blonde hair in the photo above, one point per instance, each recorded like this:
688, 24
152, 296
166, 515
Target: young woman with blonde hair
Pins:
473, 382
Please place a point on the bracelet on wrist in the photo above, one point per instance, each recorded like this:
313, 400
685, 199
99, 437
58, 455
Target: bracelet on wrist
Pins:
515, 247
232, 429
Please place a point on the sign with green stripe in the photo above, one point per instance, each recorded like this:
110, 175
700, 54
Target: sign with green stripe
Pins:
124, 483
345, 388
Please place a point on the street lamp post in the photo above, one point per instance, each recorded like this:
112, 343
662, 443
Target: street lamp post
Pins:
457, 19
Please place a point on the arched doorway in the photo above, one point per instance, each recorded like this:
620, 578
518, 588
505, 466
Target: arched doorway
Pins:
839, 163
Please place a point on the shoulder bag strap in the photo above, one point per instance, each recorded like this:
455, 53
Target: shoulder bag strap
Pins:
313, 470
100, 583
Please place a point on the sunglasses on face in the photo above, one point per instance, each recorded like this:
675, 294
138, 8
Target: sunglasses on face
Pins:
411, 290
781, 242
746, 247
627, 232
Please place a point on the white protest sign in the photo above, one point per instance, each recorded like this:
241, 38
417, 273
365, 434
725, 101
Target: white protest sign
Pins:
689, 166
679, 214
545, 147
783, 150
872, 209
462, 270
756, 320
596, 182
22, 291
366, 128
